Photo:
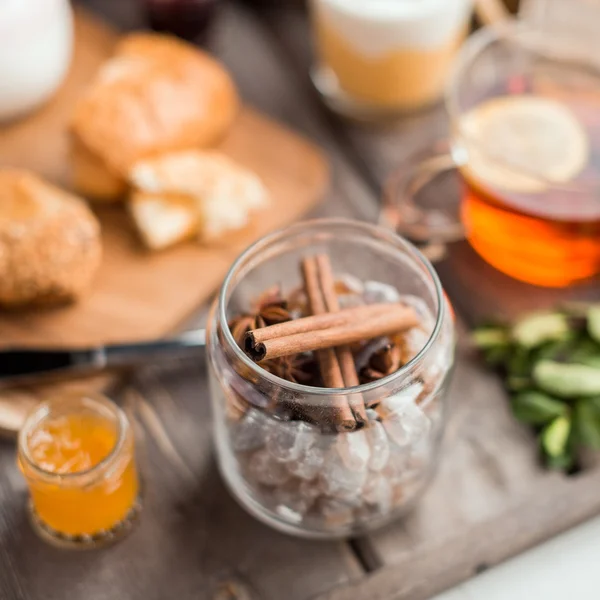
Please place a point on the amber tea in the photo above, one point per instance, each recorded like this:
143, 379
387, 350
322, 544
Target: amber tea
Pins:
530, 206
524, 110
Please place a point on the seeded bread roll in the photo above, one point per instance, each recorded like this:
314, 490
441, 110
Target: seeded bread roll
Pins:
156, 94
50, 244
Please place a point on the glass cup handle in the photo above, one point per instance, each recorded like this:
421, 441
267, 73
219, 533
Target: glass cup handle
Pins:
429, 228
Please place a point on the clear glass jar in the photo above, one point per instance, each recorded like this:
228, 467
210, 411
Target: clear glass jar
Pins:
303, 478
77, 456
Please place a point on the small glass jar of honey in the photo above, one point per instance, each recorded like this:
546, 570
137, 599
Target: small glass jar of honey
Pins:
77, 455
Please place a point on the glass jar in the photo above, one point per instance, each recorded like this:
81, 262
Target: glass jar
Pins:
290, 471
77, 456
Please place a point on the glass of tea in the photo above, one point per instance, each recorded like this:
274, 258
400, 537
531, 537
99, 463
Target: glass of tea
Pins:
525, 137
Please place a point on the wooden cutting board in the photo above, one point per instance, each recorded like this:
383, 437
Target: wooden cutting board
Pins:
139, 295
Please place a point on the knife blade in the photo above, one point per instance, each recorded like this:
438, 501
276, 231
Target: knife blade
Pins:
19, 365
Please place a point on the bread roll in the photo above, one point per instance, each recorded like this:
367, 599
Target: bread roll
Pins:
50, 245
156, 94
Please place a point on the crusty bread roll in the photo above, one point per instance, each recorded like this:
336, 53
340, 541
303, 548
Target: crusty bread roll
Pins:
50, 245
156, 94
192, 192
92, 178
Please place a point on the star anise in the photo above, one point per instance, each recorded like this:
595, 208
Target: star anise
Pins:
272, 306
270, 309
382, 363
298, 368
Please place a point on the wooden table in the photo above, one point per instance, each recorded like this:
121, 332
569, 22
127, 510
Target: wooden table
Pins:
489, 499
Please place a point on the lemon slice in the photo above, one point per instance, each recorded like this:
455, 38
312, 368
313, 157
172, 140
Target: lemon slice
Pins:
523, 143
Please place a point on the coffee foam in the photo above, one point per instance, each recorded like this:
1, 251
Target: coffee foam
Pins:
376, 27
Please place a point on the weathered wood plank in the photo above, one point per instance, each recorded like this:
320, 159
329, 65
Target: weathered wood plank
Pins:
429, 570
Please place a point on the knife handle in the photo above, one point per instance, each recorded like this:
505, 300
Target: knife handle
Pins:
21, 364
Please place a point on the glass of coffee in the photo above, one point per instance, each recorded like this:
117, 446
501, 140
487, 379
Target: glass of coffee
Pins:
380, 58
525, 138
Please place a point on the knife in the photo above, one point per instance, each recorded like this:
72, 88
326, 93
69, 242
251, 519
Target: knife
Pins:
19, 365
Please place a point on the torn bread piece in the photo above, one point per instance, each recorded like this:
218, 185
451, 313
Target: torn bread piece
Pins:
163, 220
181, 193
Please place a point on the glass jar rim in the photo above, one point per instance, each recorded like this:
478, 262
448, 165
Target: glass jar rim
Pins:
368, 228
528, 37
43, 411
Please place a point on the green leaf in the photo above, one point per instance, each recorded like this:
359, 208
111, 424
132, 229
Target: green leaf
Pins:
567, 380
537, 408
593, 325
495, 357
491, 337
518, 383
519, 362
594, 403
562, 462
586, 423
590, 361
555, 437
585, 352
553, 350
538, 328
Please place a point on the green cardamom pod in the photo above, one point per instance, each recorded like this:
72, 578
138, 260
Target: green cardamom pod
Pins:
538, 328
555, 437
491, 337
593, 322
567, 380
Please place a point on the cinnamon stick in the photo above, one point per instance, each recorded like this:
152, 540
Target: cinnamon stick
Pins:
343, 352
397, 319
314, 323
328, 363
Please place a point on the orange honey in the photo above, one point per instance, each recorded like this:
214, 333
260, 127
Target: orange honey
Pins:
78, 459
